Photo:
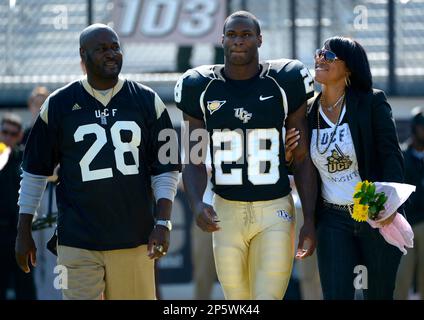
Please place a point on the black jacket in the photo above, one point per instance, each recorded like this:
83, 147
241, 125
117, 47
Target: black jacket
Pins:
9, 187
374, 135
414, 174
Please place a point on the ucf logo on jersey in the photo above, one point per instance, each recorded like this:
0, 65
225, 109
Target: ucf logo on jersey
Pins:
338, 161
242, 114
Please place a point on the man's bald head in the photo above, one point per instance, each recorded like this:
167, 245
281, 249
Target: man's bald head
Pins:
91, 31
101, 54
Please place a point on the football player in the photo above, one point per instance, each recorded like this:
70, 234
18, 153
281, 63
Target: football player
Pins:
244, 105
103, 131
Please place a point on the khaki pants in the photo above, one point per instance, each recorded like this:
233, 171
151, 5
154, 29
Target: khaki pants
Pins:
254, 249
113, 274
411, 263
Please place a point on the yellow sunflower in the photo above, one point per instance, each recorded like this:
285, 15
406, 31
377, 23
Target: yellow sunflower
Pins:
360, 211
358, 186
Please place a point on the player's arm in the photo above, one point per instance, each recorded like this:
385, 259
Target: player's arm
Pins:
164, 176
291, 142
187, 95
40, 158
25, 248
30, 193
165, 189
305, 179
160, 235
195, 179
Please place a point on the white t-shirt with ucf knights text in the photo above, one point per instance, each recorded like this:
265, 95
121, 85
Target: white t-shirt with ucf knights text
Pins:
338, 166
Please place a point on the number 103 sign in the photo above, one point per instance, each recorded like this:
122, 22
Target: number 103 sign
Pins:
178, 21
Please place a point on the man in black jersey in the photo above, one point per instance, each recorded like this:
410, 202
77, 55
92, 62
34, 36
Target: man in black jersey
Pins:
244, 106
103, 132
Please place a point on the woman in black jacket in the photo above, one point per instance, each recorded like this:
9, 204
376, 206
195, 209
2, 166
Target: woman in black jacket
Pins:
352, 138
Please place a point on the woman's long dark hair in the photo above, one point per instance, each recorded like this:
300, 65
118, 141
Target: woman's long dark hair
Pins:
355, 57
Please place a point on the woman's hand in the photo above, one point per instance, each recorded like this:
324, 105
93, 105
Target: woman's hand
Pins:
292, 138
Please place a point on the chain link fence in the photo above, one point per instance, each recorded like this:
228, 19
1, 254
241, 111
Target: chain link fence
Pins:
40, 39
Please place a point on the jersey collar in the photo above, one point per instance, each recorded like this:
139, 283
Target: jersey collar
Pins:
104, 100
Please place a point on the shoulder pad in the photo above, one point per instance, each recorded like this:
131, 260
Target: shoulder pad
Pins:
274, 65
273, 68
197, 79
210, 71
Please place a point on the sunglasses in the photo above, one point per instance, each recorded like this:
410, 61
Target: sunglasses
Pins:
10, 133
329, 56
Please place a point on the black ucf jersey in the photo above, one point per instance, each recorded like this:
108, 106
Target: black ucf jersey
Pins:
107, 151
245, 119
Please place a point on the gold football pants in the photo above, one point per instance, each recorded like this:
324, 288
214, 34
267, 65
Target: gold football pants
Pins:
254, 249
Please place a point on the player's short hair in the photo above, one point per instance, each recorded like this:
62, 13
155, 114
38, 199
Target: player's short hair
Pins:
13, 119
246, 15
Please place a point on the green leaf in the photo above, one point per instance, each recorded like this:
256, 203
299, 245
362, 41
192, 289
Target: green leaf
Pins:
364, 188
372, 188
363, 201
358, 194
372, 209
381, 199
367, 191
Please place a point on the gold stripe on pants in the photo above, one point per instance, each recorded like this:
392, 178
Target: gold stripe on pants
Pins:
254, 249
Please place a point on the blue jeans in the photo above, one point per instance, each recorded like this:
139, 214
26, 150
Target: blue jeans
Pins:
344, 244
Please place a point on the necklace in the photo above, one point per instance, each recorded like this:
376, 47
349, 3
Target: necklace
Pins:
335, 105
103, 119
332, 133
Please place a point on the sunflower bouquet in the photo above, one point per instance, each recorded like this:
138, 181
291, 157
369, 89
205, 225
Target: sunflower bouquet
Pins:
375, 202
367, 203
